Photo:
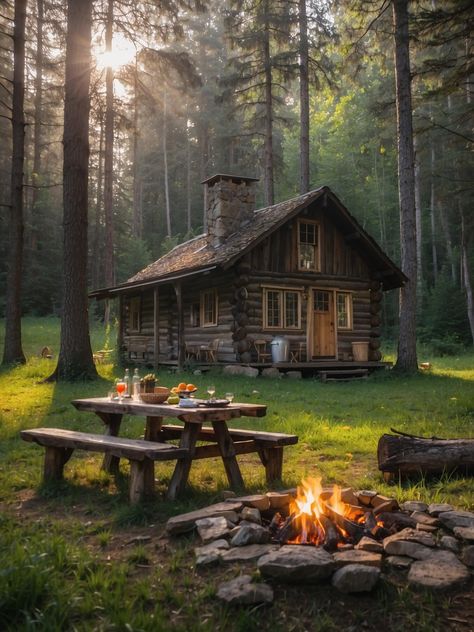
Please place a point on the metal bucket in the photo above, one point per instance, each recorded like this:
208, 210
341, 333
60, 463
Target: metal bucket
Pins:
280, 349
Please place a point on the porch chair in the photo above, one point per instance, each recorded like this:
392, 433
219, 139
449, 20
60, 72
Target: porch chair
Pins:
297, 351
263, 354
210, 350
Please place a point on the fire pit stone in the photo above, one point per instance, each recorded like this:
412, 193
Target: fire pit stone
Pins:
297, 564
213, 528
355, 578
369, 544
441, 571
252, 514
367, 558
242, 591
250, 534
414, 505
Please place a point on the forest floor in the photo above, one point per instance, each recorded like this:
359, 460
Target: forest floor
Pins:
73, 555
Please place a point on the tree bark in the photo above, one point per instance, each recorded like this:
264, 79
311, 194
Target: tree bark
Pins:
434, 249
38, 113
419, 269
406, 359
137, 185
12, 350
165, 163
97, 258
304, 98
268, 143
467, 275
75, 355
109, 161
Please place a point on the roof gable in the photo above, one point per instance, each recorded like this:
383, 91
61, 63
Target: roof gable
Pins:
198, 254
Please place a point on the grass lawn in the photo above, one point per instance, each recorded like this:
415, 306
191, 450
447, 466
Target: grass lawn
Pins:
69, 556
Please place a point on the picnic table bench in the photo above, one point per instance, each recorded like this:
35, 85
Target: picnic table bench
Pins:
61, 443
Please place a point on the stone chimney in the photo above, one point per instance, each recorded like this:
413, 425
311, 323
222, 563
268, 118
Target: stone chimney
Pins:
229, 202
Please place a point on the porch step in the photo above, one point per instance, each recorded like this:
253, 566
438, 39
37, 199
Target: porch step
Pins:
343, 375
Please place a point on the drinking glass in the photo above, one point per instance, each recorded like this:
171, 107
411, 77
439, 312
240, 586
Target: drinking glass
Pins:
211, 390
120, 387
229, 397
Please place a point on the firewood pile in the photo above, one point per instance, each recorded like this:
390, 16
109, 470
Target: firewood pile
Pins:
354, 539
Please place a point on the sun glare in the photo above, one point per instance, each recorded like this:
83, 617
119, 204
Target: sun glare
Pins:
122, 53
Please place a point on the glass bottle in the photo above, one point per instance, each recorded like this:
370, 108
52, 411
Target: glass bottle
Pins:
126, 379
136, 386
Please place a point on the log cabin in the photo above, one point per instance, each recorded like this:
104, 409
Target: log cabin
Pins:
299, 282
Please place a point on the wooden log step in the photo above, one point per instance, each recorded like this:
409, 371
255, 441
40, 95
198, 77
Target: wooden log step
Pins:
342, 374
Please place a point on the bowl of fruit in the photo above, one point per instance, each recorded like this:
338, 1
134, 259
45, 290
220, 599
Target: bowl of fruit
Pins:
184, 390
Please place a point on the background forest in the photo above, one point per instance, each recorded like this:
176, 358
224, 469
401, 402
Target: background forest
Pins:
181, 91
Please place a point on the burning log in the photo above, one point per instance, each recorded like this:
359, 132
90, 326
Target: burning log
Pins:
403, 454
332, 537
355, 531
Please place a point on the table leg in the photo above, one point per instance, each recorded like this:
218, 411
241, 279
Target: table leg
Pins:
181, 471
112, 422
152, 428
227, 449
152, 431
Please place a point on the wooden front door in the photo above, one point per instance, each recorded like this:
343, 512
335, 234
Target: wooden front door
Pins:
324, 333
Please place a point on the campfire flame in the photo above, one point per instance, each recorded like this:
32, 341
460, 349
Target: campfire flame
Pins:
320, 517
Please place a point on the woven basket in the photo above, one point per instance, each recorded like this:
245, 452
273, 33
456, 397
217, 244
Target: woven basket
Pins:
160, 395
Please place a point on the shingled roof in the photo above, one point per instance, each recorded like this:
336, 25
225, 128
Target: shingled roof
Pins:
198, 255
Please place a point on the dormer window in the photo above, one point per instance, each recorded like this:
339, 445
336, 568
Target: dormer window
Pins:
308, 246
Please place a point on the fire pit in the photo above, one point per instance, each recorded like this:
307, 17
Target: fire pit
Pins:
351, 537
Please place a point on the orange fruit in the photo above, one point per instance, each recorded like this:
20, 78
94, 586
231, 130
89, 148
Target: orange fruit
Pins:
182, 386
191, 387
174, 389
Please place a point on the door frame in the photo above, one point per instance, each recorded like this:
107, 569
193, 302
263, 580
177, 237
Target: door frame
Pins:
309, 321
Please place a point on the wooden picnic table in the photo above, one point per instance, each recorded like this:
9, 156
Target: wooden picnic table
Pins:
111, 412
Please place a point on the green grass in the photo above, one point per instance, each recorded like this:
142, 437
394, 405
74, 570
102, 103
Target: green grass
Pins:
67, 557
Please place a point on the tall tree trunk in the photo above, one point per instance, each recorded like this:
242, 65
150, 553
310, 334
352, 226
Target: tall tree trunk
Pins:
447, 236
38, 119
137, 225
419, 269
188, 174
75, 355
97, 258
466, 274
406, 358
165, 162
304, 98
12, 350
434, 249
268, 144
109, 162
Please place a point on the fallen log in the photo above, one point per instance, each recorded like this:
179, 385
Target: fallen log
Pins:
402, 455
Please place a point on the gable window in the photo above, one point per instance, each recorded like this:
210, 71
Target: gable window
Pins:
281, 308
134, 314
344, 310
308, 246
208, 311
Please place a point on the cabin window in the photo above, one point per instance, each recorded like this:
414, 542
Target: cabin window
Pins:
308, 246
195, 315
281, 309
344, 310
209, 308
134, 314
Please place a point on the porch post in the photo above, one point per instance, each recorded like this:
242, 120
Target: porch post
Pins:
156, 328
179, 303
